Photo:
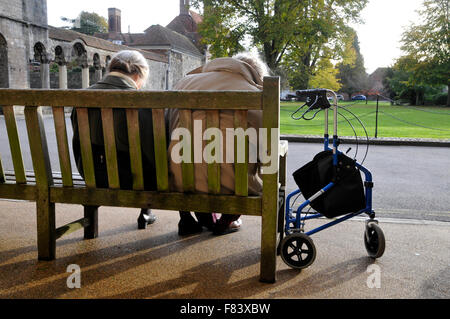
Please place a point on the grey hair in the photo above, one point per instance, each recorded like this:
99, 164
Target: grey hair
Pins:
130, 63
255, 62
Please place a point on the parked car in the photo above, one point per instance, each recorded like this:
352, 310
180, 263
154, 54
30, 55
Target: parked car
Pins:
288, 96
359, 98
340, 97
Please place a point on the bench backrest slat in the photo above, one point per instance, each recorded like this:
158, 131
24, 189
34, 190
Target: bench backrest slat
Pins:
63, 146
85, 146
160, 145
213, 121
241, 164
14, 144
110, 148
187, 169
134, 141
38, 148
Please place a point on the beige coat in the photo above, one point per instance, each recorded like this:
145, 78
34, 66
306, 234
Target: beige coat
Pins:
221, 74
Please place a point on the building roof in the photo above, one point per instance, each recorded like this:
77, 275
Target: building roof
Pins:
157, 35
187, 25
99, 43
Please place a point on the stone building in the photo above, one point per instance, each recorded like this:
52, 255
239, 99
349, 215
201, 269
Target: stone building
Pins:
23, 35
179, 41
33, 54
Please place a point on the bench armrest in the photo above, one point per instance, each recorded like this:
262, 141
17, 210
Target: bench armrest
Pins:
283, 148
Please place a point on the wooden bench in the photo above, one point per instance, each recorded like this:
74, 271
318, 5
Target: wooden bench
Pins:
47, 188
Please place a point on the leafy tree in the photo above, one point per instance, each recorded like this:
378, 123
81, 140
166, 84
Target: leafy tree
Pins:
352, 73
400, 81
87, 23
293, 34
326, 76
427, 46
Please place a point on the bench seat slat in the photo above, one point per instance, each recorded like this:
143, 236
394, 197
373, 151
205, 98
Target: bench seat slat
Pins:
63, 146
86, 148
225, 204
14, 144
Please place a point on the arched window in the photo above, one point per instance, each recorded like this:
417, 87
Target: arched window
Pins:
4, 68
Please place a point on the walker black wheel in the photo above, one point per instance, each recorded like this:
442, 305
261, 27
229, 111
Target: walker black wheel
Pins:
298, 251
374, 240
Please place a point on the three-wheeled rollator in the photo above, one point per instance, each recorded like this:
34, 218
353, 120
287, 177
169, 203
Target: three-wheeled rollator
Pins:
332, 187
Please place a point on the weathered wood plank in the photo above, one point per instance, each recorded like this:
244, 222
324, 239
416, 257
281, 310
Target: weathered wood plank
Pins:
14, 144
18, 191
187, 168
2, 173
282, 199
91, 229
214, 183
38, 148
160, 143
57, 177
63, 146
45, 209
86, 147
110, 148
271, 119
134, 141
168, 201
240, 167
71, 227
248, 100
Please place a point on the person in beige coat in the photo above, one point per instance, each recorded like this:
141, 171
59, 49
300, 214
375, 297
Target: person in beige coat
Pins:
242, 72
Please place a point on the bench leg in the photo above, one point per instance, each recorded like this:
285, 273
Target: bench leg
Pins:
268, 246
282, 201
46, 230
91, 213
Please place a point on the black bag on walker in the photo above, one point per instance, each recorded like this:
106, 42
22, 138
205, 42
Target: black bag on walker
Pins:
346, 196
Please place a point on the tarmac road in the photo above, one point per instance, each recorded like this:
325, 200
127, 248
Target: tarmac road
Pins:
410, 182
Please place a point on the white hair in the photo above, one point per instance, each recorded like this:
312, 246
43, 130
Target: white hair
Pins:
255, 62
129, 62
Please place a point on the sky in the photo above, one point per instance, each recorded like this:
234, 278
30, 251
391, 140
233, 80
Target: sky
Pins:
379, 36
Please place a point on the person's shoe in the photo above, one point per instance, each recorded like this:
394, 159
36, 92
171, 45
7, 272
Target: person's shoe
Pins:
224, 227
236, 225
207, 220
146, 218
188, 226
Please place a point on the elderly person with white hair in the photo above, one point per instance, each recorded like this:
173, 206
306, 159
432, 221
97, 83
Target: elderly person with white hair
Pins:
243, 72
127, 70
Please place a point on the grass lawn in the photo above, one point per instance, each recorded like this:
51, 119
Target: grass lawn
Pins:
393, 121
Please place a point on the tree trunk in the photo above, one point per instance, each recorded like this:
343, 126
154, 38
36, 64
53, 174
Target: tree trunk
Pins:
448, 95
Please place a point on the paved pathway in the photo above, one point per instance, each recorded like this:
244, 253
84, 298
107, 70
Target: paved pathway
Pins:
410, 181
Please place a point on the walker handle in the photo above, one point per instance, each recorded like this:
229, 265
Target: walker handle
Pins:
315, 98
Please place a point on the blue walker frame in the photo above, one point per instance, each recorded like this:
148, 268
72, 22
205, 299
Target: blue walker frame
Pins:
298, 221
